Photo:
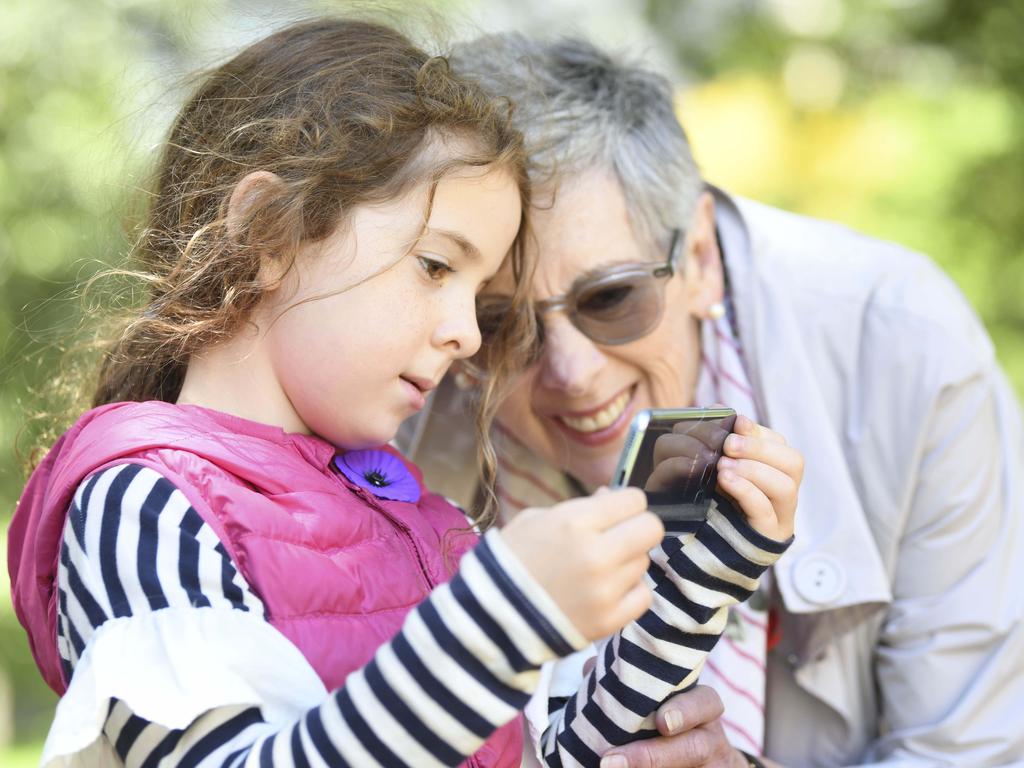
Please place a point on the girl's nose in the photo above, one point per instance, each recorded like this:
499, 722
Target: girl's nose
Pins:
458, 331
569, 360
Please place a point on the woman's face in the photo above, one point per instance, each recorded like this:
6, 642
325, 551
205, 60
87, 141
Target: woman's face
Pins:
574, 405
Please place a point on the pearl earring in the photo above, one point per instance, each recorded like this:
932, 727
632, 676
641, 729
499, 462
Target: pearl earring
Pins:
464, 381
716, 311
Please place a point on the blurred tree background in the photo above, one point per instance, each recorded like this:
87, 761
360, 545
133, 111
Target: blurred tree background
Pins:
901, 118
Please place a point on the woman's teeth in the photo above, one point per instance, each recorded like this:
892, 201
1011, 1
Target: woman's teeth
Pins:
601, 419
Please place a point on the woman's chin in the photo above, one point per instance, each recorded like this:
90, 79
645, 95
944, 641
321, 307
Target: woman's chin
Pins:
594, 474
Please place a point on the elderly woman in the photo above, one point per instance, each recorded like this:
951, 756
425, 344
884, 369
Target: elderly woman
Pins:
893, 632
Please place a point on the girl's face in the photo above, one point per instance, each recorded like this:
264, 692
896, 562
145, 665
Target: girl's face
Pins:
351, 365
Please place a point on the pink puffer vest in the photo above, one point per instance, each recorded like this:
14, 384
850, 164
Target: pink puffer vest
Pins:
337, 568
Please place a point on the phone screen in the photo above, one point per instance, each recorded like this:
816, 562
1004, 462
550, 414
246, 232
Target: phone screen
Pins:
672, 455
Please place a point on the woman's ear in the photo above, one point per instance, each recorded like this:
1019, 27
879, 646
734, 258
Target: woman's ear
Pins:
704, 272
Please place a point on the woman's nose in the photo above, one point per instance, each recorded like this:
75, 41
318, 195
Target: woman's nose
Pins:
569, 360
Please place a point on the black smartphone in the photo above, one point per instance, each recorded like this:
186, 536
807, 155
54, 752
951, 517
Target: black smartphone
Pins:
672, 454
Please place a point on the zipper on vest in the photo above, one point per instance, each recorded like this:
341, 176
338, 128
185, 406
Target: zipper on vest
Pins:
410, 540
472, 761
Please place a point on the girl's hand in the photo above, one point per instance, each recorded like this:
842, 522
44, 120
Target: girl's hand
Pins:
761, 473
590, 554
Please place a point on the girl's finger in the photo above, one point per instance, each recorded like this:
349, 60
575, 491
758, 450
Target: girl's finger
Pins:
633, 605
782, 457
779, 487
626, 576
754, 504
632, 538
605, 508
747, 426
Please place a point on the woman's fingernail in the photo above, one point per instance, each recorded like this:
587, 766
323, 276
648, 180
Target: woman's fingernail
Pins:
614, 761
734, 442
673, 722
726, 463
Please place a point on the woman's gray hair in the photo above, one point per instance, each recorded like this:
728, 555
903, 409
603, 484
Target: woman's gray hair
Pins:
579, 108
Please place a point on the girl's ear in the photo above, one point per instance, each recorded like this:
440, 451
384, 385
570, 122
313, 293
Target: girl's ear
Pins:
246, 198
246, 195
704, 272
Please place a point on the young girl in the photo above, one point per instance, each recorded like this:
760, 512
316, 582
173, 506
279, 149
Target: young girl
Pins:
223, 563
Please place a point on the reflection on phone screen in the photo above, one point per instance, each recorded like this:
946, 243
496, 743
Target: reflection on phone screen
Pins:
676, 467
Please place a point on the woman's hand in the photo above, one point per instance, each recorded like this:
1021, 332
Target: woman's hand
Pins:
761, 473
590, 554
691, 735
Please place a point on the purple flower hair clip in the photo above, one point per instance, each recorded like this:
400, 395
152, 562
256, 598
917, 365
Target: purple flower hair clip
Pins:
381, 473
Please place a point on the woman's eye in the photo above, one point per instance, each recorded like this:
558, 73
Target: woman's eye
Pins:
436, 270
605, 300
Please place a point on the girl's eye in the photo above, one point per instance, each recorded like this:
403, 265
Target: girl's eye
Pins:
436, 270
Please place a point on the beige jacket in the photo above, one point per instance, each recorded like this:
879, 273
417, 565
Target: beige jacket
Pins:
903, 595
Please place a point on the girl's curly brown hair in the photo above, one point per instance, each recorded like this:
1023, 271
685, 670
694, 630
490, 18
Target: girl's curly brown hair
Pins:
344, 113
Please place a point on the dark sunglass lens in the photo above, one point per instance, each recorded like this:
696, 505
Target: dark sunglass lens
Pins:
490, 313
615, 313
606, 302
538, 345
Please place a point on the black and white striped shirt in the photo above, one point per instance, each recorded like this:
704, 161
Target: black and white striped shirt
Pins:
464, 663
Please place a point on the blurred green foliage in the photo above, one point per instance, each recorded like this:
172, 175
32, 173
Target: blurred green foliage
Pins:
902, 118
74, 80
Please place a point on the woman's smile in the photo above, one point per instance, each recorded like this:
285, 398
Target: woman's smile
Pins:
601, 424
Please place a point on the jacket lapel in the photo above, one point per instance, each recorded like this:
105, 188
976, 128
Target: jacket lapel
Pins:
830, 521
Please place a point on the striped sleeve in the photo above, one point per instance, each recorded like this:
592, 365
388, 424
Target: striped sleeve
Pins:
465, 662
694, 580
133, 544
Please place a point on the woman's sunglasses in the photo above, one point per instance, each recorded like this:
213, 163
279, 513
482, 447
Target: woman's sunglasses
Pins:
613, 306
